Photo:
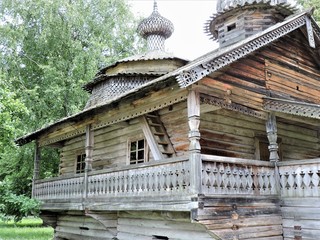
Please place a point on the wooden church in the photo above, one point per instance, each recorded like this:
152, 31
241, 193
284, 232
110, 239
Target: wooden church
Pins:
226, 146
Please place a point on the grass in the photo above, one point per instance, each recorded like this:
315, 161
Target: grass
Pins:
27, 229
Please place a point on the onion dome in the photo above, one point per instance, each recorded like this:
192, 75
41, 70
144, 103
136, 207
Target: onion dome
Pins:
225, 5
236, 20
155, 29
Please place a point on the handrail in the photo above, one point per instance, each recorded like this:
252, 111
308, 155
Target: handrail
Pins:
58, 178
299, 162
116, 169
139, 166
166, 177
239, 161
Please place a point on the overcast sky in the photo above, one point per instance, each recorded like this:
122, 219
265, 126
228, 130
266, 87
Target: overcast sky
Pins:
188, 40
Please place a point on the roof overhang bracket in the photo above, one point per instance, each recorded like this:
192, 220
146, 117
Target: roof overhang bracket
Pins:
310, 32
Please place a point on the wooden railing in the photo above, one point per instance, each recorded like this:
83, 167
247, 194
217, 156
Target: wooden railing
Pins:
59, 188
222, 175
158, 178
167, 177
300, 178
219, 176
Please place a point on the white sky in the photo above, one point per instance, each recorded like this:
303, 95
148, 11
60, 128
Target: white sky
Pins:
188, 17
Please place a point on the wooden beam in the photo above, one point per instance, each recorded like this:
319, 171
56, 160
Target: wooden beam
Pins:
157, 155
36, 168
271, 128
89, 156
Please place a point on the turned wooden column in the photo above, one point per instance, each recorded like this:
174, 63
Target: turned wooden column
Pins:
194, 138
89, 154
36, 166
271, 128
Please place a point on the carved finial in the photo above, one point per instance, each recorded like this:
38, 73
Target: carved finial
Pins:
155, 6
156, 29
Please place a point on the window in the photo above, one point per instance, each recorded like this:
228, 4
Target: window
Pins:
160, 237
81, 164
262, 149
231, 27
138, 151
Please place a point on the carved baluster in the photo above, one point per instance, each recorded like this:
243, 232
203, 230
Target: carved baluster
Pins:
233, 179
293, 182
214, 178
125, 182
221, 179
236, 179
161, 180
206, 181
228, 180
122, 183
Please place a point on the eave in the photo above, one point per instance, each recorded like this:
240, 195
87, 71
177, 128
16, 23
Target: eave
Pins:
89, 112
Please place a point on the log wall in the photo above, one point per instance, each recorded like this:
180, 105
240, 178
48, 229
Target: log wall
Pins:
76, 226
232, 134
156, 225
240, 218
301, 218
111, 143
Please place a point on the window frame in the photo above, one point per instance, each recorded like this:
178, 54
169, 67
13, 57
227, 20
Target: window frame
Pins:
145, 149
82, 155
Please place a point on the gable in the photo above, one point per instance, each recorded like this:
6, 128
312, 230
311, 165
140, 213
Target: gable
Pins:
292, 71
223, 57
285, 69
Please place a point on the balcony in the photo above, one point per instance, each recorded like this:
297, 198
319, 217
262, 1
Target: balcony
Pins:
166, 184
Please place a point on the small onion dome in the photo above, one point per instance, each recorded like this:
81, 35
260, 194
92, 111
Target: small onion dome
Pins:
225, 5
155, 29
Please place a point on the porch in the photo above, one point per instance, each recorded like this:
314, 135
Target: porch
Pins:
167, 184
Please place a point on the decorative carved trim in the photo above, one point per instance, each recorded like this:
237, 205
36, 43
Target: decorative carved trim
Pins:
292, 107
120, 118
232, 106
141, 111
310, 32
240, 50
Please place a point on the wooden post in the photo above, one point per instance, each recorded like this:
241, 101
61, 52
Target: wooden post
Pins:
89, 153
36, 168
194, 138
271, 128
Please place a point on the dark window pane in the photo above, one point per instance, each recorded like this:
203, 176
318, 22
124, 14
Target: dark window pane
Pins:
141, 144
133, 156
133, 146
141, 154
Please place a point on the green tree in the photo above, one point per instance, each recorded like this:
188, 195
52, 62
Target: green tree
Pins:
48, 50
312, 4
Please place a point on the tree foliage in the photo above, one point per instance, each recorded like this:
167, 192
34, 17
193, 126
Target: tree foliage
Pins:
15, 206
48, 50
312, 4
